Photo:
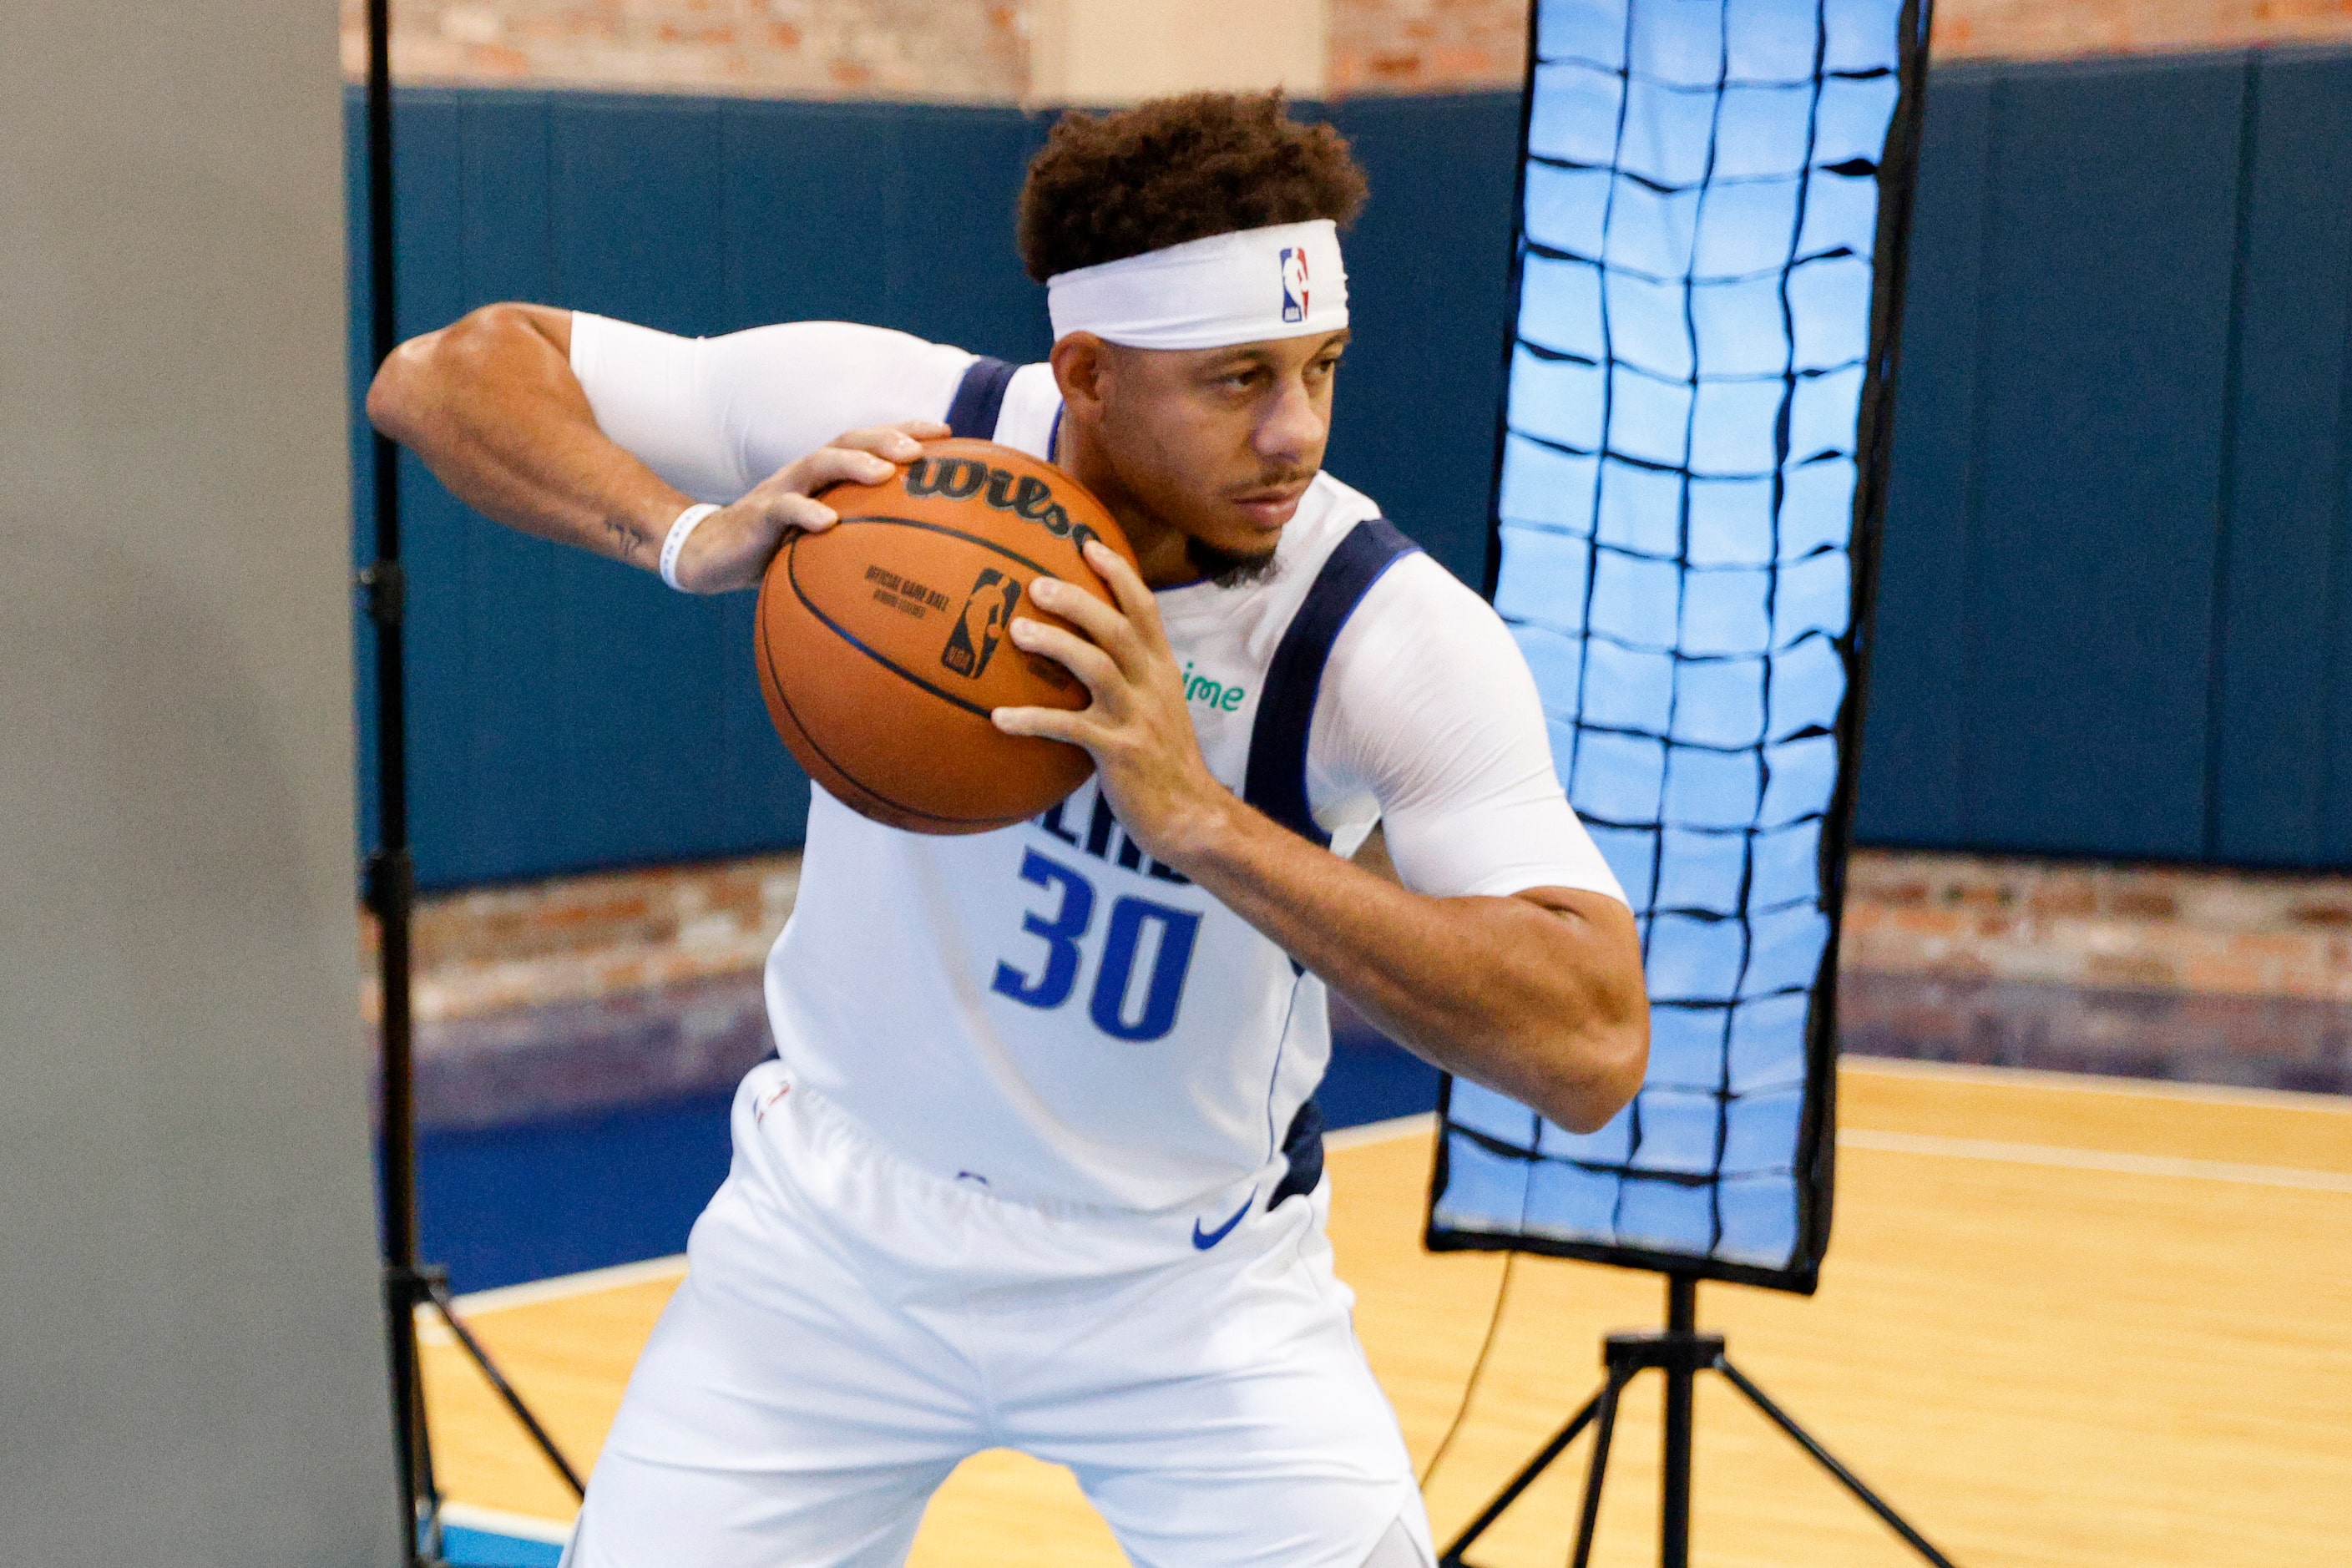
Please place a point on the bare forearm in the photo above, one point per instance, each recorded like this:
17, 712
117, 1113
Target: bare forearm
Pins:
492, 407
1538, 996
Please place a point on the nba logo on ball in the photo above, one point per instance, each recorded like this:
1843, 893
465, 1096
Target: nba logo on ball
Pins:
972, 642
1294, 283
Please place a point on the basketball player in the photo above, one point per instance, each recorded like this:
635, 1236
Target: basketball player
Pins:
1036, 1164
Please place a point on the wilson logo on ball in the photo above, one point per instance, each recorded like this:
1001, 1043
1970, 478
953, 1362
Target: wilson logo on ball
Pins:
986, 610
1025, 495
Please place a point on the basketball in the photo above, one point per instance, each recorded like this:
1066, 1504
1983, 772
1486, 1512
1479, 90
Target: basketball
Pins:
882, 641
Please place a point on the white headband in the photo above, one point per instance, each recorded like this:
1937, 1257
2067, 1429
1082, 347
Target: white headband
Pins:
1242, 288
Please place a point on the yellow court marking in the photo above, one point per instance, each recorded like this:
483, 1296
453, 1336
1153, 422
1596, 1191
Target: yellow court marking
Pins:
2060, 1323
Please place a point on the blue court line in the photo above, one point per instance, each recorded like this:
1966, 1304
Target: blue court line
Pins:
463, 1548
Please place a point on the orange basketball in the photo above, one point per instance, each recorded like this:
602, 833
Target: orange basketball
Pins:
882, 643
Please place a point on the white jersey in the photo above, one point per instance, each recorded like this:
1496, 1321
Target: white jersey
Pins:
1044, 1008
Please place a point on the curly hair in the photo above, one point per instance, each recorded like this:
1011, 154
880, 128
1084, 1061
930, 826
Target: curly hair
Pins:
1178, 169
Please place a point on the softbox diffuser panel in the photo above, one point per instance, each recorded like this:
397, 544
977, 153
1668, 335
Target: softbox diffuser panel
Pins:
1713, 197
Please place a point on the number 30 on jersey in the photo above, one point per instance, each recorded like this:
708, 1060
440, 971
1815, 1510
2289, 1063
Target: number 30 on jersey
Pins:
1124, 1003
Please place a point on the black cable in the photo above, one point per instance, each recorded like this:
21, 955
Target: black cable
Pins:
1478, 1369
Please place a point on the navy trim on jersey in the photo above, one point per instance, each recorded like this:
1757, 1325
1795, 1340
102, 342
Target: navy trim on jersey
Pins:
1302, 1147
980, 398
1276, 781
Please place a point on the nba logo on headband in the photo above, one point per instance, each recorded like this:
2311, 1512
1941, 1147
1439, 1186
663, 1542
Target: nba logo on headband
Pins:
1294, 283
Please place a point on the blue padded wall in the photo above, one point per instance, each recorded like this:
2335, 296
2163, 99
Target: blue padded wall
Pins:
1912, 782
2283, 775
2111, 619
2107, 265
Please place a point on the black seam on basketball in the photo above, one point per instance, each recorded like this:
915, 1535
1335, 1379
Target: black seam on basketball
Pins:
777, 686
894, 667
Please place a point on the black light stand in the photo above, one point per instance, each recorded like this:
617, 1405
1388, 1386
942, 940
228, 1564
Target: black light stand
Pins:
391, 896
1682, 1353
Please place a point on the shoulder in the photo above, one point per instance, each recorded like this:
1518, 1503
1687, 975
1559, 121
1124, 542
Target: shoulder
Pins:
1031, 411
1426, 682
1418, 617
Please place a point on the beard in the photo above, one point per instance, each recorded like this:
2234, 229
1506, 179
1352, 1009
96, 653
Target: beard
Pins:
1228, 568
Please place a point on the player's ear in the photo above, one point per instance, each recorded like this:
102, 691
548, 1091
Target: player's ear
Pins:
1078, 362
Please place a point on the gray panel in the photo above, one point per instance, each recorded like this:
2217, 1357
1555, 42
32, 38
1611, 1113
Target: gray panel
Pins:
191, 1352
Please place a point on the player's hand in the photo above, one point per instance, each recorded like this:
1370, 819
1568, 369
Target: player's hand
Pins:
1137, 728
732, 547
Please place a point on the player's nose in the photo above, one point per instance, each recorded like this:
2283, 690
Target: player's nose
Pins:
1292, 428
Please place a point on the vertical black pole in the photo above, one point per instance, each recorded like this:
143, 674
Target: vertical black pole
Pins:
391, 878
1674, 1504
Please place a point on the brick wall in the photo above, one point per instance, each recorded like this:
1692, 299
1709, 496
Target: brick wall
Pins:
2040, 29
948, 49
978, 49
1427, 45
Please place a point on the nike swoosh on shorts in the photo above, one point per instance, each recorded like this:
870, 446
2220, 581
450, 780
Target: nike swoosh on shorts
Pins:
1205, 1240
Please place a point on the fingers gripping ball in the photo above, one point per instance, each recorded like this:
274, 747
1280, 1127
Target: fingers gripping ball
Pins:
882, 641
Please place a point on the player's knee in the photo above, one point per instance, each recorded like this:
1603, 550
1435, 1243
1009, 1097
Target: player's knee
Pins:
1398, 1549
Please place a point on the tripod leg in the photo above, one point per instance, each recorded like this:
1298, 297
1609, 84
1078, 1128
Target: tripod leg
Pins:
1451, 1556
420, 1520
1674, 1478
1674, 1469
430, 1551
1846, 1477
1593, 1478
505, 1389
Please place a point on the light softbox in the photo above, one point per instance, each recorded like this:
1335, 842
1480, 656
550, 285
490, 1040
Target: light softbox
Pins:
1713, 197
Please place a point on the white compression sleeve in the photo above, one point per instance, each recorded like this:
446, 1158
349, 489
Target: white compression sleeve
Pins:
716, 415
1428, 707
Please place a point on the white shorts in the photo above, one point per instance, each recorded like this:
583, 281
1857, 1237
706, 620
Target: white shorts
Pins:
851, 1327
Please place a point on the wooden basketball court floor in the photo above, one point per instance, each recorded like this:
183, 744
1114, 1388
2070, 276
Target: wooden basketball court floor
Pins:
2062, 1321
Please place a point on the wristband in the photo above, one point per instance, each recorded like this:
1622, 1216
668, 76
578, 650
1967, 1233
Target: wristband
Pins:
679, 532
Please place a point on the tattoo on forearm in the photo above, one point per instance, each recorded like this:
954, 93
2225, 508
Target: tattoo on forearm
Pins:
625, 542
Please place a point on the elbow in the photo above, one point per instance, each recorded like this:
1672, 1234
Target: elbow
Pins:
430, 372
1625, 1061
1600, 1070
1598, 1066
401, 391
1591, 1049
